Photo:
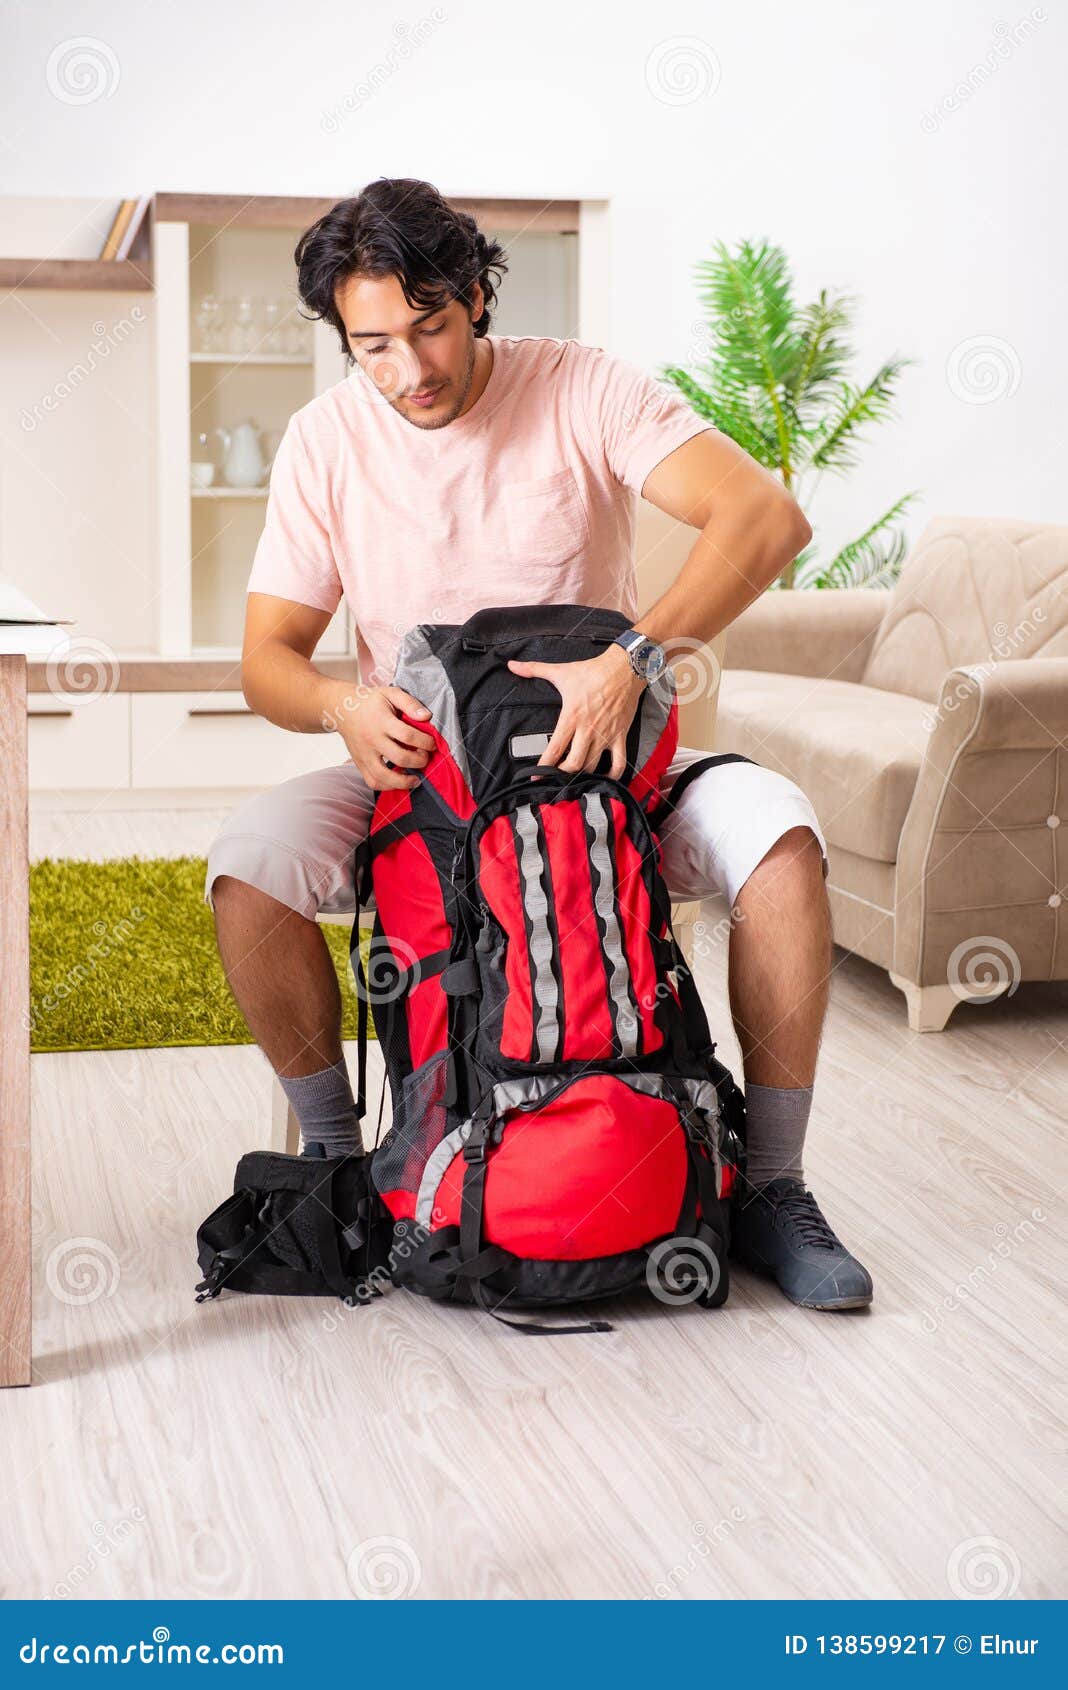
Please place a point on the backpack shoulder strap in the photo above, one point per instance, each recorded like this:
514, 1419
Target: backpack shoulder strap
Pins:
671, 798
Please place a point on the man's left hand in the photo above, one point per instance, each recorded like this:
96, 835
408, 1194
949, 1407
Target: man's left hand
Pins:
599, 697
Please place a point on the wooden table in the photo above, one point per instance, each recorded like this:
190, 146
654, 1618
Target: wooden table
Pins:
14, 1028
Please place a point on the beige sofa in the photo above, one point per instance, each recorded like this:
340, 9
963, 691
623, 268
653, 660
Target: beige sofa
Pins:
929, 727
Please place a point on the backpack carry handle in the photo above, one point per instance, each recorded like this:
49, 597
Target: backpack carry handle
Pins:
505, 625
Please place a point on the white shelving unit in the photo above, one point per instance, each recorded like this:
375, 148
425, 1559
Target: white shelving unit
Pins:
177, 718
208, 535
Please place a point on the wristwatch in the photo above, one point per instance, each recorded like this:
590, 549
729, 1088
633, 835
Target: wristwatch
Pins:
647, 659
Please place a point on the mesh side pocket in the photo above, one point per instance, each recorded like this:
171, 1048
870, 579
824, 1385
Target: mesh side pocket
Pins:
290, 1230
419, 1125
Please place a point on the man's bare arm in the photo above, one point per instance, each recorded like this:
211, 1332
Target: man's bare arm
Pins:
750, 529
277, 675
281, 682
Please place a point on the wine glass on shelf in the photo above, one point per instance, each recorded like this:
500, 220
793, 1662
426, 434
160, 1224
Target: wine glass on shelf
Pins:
298, 336
243, 328
273, 325
206, 323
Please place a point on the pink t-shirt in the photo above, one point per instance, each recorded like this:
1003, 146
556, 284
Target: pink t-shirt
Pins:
528, 498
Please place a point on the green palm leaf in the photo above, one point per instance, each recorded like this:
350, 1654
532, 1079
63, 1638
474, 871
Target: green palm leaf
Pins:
823, 352
873, 559
853, 408
774, 378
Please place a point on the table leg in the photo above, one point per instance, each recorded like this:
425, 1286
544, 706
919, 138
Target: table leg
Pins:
14, 1029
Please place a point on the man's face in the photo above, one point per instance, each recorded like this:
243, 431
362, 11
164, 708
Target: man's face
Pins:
421, 362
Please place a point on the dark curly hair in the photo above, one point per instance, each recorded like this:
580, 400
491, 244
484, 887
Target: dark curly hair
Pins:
398, 226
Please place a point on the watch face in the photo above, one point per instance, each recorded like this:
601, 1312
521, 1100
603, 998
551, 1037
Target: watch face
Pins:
651, 660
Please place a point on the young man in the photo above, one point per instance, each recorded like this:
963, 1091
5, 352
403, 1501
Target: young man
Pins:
455, 470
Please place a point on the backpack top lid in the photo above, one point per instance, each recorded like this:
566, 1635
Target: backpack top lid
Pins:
491, 725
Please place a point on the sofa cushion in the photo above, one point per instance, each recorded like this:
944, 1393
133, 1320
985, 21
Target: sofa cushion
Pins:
974, 590
855, 751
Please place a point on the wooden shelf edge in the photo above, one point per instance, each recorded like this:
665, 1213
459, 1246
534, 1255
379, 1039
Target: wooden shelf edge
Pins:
86, 275
188, 674
132, 274
266, 211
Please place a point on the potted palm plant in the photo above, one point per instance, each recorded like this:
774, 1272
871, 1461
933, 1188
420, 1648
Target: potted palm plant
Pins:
772, 375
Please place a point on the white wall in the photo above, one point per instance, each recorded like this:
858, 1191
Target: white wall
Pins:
903, 152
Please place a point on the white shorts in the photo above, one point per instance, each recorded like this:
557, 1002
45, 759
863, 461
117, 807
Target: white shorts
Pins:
296, 842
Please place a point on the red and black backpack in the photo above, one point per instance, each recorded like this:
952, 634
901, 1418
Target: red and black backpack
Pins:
561, 1127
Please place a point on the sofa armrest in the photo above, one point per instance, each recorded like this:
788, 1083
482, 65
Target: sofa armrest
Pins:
825, 634
978, 852
1018, 705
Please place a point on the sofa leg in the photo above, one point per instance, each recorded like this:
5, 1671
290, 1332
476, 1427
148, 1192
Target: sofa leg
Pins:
930, 1007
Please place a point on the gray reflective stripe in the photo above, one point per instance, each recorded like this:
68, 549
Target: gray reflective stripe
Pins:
536, 904
437, 1164
656, 708
595, 806
705, 1097
421, 672
512, 1094
531, 1088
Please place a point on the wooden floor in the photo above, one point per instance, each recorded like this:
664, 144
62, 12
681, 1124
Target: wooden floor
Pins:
291, 1448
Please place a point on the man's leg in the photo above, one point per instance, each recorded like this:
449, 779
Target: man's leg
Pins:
778, 981
752, 835
278, 861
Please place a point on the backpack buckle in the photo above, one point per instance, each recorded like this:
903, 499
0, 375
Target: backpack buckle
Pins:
481, 1135
475, 1144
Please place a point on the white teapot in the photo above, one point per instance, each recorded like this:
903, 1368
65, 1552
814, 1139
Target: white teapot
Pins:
244, 464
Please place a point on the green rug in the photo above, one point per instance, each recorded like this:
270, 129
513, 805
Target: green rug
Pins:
122, 957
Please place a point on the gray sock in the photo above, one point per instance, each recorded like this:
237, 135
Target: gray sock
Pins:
776, 1118
326, 1109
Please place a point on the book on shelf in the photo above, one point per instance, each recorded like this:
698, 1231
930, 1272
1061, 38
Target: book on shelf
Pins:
125, 226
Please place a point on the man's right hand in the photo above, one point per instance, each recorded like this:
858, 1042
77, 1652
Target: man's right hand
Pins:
373, 732
281, 683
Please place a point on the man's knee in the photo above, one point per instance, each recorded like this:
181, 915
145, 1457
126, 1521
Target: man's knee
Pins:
248, 870
793, 866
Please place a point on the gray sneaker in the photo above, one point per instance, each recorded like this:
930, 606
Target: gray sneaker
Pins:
781, 1231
